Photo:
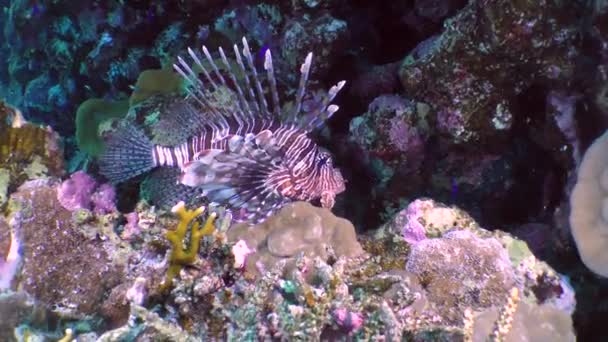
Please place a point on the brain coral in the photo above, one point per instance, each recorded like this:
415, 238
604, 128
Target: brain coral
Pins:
589, 203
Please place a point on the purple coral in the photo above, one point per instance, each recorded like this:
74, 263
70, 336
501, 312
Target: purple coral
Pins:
103, 199
413, 230
132, 228
80, 191
349, 321
75, 192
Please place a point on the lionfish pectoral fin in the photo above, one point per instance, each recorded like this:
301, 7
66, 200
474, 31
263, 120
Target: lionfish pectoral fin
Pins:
328, 199
161, 187
241, 177
265, 138
195, 174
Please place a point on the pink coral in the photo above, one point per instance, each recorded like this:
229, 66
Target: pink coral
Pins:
413, 230
75, 192
103, 199
132, 227
81, 191
240, 250
10, 266
349, 321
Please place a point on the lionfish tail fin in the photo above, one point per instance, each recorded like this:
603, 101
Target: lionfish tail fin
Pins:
243, 177
127, 154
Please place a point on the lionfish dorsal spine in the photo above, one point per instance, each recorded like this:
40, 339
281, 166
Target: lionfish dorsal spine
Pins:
258, 85
325, 111
240, 63
202, 67
305, 71
276, 103
243, 103
241, 115
252, 104
197, 85
213, 66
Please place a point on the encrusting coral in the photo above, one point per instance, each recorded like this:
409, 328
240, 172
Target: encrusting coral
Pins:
27, 151
181, 256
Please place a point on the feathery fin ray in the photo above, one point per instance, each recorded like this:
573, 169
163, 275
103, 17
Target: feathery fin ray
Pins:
161, 188
239, 176
249, 90
127, 154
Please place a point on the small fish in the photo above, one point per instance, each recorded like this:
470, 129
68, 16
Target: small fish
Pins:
242, 153
454, 189
37, 10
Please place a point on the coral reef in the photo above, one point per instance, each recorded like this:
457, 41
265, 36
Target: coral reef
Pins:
470, 134
529, 42
27, 151
62, 267
301, 273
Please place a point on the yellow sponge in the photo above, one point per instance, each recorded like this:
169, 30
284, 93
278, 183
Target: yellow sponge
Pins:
589, 207
182, 254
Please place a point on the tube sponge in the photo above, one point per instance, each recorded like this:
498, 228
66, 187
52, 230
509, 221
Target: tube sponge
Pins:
589, 207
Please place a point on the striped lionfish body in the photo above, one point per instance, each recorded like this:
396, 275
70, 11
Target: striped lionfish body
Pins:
240, 151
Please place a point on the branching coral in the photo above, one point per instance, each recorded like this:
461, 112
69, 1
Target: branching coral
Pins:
181, 256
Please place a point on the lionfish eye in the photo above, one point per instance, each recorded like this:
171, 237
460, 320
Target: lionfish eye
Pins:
323, 160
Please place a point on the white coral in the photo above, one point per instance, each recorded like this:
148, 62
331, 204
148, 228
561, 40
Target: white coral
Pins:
589, 207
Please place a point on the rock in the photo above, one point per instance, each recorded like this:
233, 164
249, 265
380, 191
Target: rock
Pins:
488, 53
18, 308
462, 270
324, 35
530, 323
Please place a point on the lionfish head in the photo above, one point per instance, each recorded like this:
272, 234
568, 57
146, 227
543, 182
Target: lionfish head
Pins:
331, 181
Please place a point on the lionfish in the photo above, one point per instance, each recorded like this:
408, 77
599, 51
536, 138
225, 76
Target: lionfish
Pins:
237, 150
